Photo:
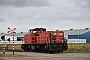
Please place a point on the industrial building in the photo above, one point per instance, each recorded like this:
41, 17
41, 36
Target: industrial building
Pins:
72, 35
78, 35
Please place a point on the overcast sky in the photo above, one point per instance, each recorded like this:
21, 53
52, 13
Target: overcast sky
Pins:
51, 14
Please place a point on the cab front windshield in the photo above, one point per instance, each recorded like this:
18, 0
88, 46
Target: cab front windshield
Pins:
33, 31
36, 30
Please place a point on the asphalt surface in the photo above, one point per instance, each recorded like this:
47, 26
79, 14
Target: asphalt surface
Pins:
46, 56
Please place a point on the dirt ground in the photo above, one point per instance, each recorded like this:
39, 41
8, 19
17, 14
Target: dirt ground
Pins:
46, 56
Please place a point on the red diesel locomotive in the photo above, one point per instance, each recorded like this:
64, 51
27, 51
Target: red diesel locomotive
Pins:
38, 39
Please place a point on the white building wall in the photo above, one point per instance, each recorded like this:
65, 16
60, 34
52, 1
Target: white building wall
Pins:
0, 38
11, 38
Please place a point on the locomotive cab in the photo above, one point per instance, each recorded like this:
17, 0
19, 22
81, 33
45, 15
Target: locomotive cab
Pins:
58, 43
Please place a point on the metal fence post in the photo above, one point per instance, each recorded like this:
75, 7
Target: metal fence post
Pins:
4, 48
13, 43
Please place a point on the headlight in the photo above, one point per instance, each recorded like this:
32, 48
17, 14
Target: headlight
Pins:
62, 40
61, 34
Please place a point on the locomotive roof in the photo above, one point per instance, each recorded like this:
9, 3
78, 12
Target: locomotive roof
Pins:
35, 29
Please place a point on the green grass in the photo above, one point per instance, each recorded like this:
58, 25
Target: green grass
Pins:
1, 59
17, 47
72, 48
11, 55
78, 48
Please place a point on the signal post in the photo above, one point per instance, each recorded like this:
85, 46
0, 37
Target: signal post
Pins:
13, 33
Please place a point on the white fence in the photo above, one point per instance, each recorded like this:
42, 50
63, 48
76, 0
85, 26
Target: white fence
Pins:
76, 41
11, 42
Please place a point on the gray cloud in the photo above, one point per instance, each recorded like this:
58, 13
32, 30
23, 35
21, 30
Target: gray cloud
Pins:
24, 3
61, 14
83, 3
2, 20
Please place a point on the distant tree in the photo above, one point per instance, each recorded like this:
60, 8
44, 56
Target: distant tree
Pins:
8, 39
3, 37
1, 33
21, 32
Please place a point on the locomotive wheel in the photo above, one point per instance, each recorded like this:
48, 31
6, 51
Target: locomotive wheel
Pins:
57, 51
22, 46
50, 51
25, 50
60, 51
